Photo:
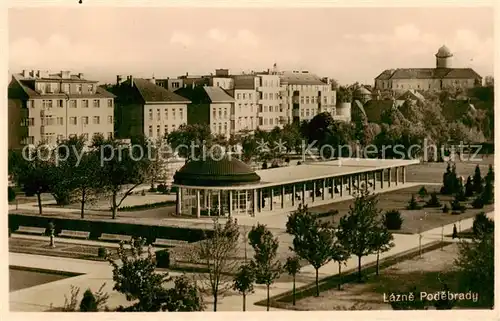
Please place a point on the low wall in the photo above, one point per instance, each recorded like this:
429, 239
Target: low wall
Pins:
96, 228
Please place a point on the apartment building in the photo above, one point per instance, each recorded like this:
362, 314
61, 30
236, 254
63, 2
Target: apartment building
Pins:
211, 106
47, 107
305, 95
144, 108
271, 111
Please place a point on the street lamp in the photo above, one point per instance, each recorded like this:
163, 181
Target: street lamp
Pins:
420, 240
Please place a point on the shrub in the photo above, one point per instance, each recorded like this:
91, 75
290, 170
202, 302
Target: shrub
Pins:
298, 163
143, 193
422, 192
264, 165
162, 188
328, 213
144, 206
163, 259
478, 202
11, 194
88, 303
482, 224
174, 189
488, 193
152, 190
434, 201
445, 209
412, 204
393, 220
456, 206
102, 252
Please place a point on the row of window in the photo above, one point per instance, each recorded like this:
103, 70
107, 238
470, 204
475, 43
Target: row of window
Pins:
73, 103
50, 121
158, 114
309, 87
244, 96
51, 138
271, 109
158, 130
313, 99
49, 88
268, 121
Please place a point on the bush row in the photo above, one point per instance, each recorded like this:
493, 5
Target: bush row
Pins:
96, 228
145, 206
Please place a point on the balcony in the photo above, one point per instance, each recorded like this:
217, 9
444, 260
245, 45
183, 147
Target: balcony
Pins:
42, 130
295, 112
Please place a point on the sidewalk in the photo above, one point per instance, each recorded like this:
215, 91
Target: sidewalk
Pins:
40, 298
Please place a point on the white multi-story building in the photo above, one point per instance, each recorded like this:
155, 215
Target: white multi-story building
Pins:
45, 107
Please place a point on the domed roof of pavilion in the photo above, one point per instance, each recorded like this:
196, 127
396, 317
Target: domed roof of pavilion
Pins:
228, 171
444, 52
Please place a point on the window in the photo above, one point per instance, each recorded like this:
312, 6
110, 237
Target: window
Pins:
72, 120
30, 104
220, 112
265, 121
150, 131
225, 127
181, 114
307, 99
307, 112
96, 103
85, 103
66, 88
325, 100
158, 131
214, 113
220, 128
47, 103
28, 140
28, 122
79, 88
72, 103
150, 114
110, 102
97, 120
250, 96
85, 120
265, 109
301, 99
270, 121
60, 103
166, 129
166, 114
110, 135
265, 95
225, 112
277, 96
302, 113
158, 116
91, 88
238, 96
173, 113
110, 119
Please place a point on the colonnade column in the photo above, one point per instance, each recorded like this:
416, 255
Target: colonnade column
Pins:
323, 192
209, 202
283, 196
255, 201
397, 175
333, 187
230, 202
349, 179
404, 174
179, 201
341, 189
389, 181
366, 180
198, 210
304, 194
271, 201
293, 194
313, 191
381, 179
219, 203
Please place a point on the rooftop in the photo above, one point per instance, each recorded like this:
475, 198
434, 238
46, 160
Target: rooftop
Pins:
317, 170
428, 73
292, 78
218, 95
154, 93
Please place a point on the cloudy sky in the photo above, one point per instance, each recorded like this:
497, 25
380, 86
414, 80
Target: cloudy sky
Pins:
349, 44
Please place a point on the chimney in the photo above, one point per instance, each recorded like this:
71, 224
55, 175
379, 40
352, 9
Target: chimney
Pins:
187, 74
118, 79
153, 81
131, 81
80, 75
38, 74
25, 73
65, 74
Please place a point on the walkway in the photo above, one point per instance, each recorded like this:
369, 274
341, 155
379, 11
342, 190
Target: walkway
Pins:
42, 297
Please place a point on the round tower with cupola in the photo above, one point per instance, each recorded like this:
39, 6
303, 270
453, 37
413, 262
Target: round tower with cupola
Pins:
443, 57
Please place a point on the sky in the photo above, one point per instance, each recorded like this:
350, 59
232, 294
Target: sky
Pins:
347, 44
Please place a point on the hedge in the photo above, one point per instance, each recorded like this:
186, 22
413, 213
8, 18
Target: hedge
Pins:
96, 228
145, 206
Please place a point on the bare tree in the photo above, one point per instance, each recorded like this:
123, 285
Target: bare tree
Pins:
218, 254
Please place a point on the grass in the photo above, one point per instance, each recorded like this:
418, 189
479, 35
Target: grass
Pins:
414, 221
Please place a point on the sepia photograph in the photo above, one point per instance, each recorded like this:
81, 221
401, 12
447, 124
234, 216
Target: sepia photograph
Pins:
259, 158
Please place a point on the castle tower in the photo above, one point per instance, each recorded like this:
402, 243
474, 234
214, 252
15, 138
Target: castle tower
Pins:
443, 57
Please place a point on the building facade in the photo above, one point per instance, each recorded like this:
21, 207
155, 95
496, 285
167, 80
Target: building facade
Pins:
444, 76
144, 108
47, 107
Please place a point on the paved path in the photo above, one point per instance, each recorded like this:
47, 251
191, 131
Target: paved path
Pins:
42, 297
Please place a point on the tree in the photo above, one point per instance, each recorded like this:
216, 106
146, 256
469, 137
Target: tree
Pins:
292, 267
218, 255
158, 162
313, 240
11, 194
383, 242
412, 204
340, 254
183, 297
319, 126
123, 168
188, 140
88, 303
490, 176
433, 201
136, 278
488, 193
469, 187
264, 263
482, 224
475, 263
243, 282
478, 180
357, 230
31, 172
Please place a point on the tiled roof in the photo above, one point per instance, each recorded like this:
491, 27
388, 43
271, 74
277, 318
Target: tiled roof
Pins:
153, 93
428, 73
411, 93
218, 95
301, 79
244, 82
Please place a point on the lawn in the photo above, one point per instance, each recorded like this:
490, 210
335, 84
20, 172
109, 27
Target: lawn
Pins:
414, 221
427, 273
433, 172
